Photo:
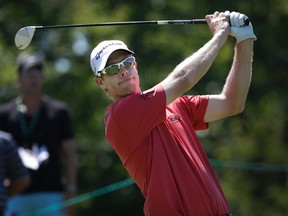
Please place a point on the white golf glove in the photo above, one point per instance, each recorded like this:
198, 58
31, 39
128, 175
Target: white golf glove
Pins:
238, 28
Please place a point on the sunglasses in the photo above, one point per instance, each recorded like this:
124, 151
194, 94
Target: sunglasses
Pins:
32, 70
115, 68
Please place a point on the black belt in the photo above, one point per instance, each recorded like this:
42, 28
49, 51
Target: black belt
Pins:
229, 214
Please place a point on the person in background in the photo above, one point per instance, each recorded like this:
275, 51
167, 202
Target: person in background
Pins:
42, 127
14, 176
153, 131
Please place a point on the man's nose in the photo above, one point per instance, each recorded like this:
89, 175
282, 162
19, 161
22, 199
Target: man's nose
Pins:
123, 71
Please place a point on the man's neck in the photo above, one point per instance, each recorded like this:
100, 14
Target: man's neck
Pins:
31, 102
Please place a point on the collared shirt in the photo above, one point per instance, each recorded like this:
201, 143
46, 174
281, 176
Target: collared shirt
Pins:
159, 148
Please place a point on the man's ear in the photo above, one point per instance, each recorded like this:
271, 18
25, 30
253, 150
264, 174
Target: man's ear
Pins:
100, 82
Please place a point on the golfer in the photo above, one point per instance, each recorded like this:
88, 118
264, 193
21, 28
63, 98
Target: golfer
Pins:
153, 131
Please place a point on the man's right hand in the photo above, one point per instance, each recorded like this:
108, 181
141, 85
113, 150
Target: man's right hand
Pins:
218, 24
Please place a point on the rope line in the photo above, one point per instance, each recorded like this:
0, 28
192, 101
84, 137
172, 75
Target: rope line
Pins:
250, 166
83, 197
129, 181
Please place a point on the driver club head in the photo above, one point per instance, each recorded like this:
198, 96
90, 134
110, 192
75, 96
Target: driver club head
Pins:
24, 36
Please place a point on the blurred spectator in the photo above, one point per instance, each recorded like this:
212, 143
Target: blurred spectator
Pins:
42, 127
14, 177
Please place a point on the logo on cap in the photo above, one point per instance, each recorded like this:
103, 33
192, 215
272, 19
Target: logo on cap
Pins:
97, 56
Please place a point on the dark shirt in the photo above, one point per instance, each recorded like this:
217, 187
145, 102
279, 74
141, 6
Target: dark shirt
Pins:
49, 128
11, 165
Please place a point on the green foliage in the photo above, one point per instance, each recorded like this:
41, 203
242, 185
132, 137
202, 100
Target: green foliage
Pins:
257, 135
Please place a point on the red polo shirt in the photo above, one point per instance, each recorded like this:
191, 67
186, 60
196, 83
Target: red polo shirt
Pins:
158, 146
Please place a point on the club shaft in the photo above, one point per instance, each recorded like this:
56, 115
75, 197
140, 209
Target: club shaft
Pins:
157, 22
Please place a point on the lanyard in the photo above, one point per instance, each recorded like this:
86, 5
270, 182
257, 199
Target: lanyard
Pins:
26, 129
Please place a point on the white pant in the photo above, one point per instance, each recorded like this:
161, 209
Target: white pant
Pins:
26, 204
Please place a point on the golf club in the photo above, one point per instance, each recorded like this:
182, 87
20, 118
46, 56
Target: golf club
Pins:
24, 36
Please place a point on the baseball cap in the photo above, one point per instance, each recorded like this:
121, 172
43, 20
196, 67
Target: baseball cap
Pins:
28, 62
102, 51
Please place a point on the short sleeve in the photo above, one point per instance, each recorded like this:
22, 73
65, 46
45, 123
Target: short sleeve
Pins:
130, 120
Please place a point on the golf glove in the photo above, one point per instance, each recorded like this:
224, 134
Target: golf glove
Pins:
238, 28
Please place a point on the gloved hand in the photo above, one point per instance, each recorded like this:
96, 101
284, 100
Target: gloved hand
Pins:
238, 28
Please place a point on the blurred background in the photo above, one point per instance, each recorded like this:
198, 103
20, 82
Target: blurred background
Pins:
248, 151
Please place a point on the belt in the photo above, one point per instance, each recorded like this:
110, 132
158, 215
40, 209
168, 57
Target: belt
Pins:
229, 214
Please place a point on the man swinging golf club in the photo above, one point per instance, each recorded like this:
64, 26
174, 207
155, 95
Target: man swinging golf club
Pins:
153, 131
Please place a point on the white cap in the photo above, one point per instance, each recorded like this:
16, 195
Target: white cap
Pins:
27, 62
101, 53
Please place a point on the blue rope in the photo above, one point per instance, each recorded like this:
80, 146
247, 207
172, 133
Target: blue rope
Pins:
129, 181
83, 197
250, 166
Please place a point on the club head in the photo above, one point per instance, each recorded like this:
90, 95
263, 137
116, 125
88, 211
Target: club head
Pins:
24, 36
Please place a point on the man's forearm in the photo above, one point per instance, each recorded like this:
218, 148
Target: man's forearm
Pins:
196, 66
239, 78
71, 182
70, 165
192, 69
